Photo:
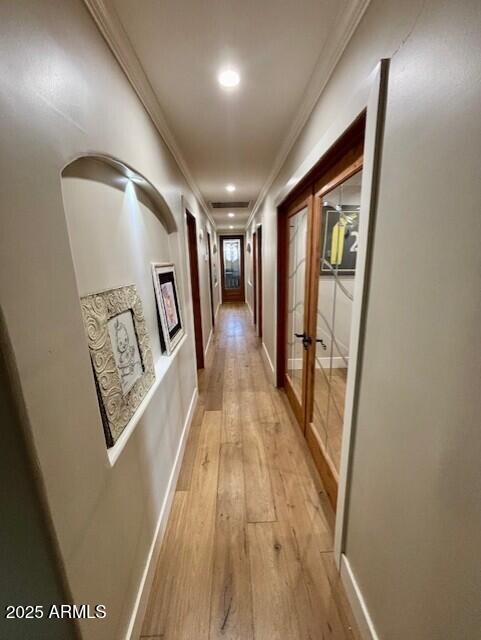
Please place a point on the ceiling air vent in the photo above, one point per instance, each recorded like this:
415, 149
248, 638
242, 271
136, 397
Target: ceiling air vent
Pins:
230, 205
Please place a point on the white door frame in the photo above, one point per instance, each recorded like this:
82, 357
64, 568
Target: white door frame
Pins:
371, 97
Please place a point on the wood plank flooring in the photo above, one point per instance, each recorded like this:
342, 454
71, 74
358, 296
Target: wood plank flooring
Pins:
247, 554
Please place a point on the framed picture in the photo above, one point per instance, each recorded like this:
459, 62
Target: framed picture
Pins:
339, 245
121, 356
168, 304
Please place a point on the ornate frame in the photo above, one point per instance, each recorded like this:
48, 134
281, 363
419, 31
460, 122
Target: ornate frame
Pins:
97, 309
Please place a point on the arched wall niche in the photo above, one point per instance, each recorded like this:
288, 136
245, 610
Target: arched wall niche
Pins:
116, 173
118, 225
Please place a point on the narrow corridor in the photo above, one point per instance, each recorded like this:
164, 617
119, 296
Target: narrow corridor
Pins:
248, 551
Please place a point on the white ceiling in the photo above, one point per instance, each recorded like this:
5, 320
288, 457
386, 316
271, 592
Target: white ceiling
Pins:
277, 46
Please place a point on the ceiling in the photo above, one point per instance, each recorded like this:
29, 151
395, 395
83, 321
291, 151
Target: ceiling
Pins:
233, 136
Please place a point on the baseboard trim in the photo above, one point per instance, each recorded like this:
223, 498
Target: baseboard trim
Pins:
145, 585
358, 605
269, 362
336, 362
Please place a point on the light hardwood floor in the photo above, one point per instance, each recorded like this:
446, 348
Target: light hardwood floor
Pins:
248, 548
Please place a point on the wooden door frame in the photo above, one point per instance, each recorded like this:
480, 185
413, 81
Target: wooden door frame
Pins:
259, 281
241, 297
254, 276
370, 103
211, 281
345, 161
191, 224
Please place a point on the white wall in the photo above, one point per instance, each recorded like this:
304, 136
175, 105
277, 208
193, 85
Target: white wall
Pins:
203, 225
215, 267
414, 512
64, 95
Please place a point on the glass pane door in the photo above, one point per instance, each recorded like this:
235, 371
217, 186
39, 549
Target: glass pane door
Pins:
232, 263
323, 356
338, 243
296, 276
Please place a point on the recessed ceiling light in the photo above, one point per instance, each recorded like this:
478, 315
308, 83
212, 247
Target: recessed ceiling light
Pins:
231, 215
231, 226
228, 78
230, 187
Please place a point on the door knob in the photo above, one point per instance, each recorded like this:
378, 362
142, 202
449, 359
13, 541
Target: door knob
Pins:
306, 340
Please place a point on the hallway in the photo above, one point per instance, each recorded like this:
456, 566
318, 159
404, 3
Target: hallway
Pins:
240, 320
248, 547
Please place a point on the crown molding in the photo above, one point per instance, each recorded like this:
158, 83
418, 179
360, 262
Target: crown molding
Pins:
335, 46
117, 39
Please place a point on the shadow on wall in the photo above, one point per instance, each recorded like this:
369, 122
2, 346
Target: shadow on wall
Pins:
31, 568
114, 173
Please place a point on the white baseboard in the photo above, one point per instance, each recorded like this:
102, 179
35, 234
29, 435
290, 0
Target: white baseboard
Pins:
294, 364
354, 595
336, 363
269, 362
145, 585
208, 342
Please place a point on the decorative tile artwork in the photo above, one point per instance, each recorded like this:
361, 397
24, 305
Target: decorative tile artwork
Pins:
121, 355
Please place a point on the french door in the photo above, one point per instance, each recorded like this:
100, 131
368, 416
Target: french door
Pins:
318, 234
297, 231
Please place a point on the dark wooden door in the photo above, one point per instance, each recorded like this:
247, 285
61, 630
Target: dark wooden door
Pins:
259, 281
232, 268
254, 276
195, 286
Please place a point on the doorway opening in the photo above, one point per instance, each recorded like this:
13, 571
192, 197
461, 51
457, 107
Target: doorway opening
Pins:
232, 268
211, 282
195, 287
318, 241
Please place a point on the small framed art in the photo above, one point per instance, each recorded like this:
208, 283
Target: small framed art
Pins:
340, 241
168, 304
121, 356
